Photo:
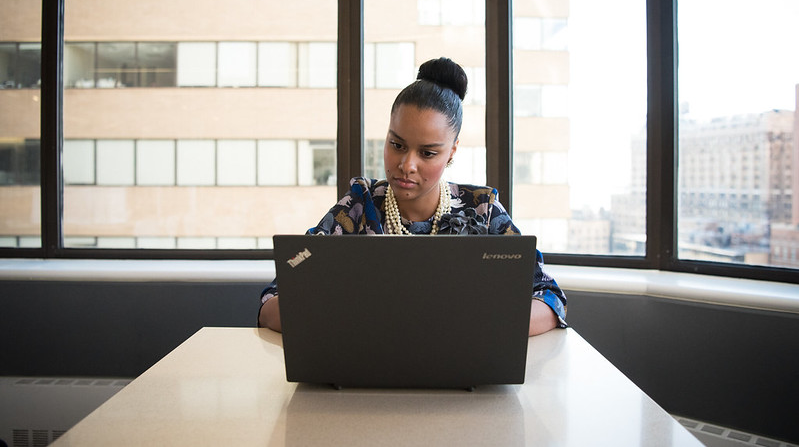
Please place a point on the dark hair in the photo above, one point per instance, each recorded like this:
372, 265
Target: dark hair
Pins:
441, 86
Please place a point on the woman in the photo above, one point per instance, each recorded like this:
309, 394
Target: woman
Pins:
414, 199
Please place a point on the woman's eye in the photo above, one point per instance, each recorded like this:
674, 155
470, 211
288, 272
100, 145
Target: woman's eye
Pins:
395, 145
429, 154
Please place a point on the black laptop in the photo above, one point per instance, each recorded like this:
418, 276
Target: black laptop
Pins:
405, 311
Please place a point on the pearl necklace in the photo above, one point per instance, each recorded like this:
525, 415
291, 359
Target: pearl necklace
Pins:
394, 220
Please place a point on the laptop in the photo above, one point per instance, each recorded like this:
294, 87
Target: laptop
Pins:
400, 311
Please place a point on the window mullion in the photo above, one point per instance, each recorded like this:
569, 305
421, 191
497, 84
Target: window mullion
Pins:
52, 126
499, 99
661, 203
350, 131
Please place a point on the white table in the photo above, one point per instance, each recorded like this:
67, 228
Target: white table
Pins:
227, 387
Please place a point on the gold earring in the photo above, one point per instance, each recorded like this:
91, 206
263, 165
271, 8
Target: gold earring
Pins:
449, 163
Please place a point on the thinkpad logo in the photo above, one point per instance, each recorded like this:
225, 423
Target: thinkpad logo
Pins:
502, 255
298, 258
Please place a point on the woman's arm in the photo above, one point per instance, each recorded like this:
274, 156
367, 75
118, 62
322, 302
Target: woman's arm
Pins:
542, 318
269, 315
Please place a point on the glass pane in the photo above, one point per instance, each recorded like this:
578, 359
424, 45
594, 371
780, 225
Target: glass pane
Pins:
738, 172
277, 64
116, 65
157, 64
79, 65
421, 30
155, 162
579, 124
20, 156
277, 162
196, 64
237, 64
189, 145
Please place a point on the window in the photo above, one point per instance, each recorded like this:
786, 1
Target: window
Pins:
738, 94
196, 64
8, 56
277, 162
155, 162
476, 94
119, 64
318, 65
324, 162
79, 162
579, 98
237, 64
19, 162
202, 64
196, 161
79, 65
388, 65
541, 33
373, 165
196, 164
244, 115
450, 12
236, 162
20, 65
391, 60
116, 65
115, 162
277, 64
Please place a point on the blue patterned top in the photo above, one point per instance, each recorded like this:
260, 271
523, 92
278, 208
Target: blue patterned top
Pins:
361, 211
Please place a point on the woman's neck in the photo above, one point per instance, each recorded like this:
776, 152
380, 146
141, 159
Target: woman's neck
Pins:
419, 209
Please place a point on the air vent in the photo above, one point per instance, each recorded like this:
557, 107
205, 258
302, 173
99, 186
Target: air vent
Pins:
34, 438
715, 435
35, 411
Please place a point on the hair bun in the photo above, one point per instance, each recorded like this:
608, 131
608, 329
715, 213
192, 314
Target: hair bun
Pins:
446, 73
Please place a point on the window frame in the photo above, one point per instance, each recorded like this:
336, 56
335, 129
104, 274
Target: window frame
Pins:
661, 200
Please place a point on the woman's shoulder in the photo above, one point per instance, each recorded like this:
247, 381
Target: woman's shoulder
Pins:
474, 193
375, 187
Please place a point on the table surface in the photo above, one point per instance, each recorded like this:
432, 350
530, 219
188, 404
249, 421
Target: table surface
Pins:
227, 386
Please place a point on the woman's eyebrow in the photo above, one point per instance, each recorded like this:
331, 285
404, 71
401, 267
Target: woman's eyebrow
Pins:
423, 146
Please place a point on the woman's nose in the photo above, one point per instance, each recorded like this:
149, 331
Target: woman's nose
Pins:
408, 164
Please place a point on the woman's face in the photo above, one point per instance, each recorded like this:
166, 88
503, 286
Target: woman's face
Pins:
419, 144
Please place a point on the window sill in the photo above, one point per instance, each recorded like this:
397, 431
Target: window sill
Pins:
669, 285
706, 289
135, 270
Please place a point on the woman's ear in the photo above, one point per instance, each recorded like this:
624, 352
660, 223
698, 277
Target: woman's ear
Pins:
452, 152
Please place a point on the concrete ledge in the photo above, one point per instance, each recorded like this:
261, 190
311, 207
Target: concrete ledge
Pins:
136, 270
765, 295
746, 293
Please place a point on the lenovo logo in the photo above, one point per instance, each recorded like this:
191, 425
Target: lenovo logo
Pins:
502, 255
298, 258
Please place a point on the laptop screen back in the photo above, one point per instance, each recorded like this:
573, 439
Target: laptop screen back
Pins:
399, 311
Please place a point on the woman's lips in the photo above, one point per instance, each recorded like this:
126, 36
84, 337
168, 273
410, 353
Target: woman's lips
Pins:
404, 183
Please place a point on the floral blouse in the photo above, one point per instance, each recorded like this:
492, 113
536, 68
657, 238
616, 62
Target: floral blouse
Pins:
474, 210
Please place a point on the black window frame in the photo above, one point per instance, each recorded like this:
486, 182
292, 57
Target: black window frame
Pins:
662, 119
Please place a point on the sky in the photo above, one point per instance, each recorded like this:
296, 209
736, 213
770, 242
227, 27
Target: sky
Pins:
735, 57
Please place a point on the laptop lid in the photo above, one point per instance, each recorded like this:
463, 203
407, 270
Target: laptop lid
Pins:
399, 311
